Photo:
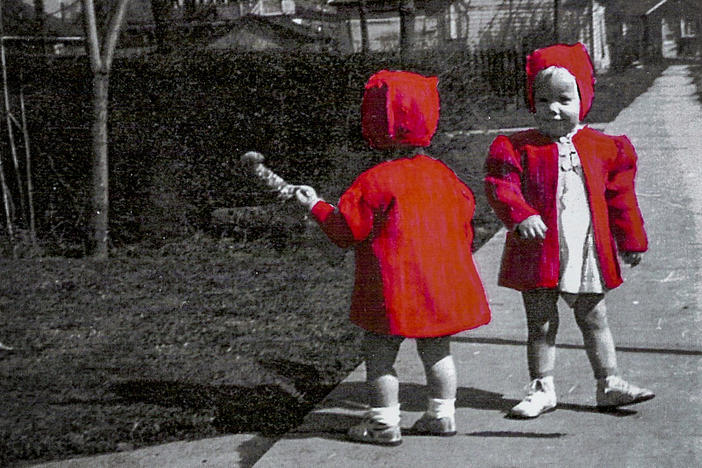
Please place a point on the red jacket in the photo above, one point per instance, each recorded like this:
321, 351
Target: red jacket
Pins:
521, 181
410, 223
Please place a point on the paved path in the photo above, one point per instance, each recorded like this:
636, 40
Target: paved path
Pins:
655, 317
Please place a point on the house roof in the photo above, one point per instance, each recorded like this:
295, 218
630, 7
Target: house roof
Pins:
284, 26
634, 7
378, 5
18, 20
280, 30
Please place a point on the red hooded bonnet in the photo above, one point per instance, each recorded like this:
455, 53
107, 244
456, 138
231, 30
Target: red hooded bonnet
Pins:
399, 109
573, 58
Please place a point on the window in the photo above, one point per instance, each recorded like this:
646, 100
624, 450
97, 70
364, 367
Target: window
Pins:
688, 27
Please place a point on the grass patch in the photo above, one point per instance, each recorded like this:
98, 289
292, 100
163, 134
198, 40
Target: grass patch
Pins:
181, 343
203, 336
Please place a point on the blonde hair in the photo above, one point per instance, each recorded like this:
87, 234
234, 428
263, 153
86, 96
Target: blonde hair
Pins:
550, 72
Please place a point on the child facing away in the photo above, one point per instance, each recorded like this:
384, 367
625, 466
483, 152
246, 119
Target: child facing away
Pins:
409, 221
566, 194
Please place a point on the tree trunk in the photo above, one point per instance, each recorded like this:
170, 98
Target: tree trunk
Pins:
7, 201
100, 199
442, 28
188, 10
10, 132
39, 14
100, 64
362, 16
407, 16
160, 10
556, 19
28, 169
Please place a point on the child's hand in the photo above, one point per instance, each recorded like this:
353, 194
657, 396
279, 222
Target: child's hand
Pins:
307, 196
532, 228
631, 258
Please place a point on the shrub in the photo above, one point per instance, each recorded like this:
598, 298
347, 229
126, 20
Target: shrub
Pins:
178, 125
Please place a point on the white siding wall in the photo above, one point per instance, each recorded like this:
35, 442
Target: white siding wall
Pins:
384, 33
479, 21
496, 23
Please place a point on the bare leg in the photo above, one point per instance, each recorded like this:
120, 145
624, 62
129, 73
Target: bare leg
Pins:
440, 369
381, 423
541, 308
591, 317
380, 352
439, 366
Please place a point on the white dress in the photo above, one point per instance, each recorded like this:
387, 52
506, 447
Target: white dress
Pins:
579, 268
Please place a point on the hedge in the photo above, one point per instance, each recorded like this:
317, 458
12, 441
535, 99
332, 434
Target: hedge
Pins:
179, 123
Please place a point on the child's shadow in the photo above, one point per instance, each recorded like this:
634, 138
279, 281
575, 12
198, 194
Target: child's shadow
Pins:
344, 406
349, 395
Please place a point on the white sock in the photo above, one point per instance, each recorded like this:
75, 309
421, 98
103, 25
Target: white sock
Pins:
441, 408
387, 415
547, 382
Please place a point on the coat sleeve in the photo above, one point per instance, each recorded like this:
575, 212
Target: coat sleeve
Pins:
349, 223
467, 194
625, 218
503, 185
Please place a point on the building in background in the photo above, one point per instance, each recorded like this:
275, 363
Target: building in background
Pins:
616, 32
481, 24
650, 30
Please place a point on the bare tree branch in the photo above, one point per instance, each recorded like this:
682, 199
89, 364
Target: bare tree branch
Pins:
91, 35
113, 31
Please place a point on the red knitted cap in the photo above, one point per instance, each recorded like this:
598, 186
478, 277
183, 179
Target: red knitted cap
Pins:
573, 58
399, 109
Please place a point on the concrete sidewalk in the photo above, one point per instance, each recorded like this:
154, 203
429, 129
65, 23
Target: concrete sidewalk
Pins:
655, 317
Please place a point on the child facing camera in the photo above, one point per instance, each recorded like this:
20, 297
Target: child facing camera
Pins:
409, 221
566, 194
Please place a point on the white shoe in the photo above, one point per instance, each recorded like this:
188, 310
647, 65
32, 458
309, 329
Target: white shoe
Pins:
615, 391
541, 398
373, 432
428, 425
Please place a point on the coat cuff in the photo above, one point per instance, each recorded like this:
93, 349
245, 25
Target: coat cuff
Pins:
321, 211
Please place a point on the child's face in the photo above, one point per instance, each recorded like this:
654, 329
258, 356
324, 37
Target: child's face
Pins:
557, 103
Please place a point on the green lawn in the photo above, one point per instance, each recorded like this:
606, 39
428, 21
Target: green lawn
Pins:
202, 336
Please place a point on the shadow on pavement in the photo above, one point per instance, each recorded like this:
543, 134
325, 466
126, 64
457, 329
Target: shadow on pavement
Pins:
622, 349
269, 409
532, 435
351, 396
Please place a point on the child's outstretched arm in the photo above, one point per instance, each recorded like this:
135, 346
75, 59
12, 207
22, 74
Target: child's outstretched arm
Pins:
625, 218
503, 187
345, 226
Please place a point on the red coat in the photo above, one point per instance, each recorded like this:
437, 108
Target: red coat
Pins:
410, 223
521, 180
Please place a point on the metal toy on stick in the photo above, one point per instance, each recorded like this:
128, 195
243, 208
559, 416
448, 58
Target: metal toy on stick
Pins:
333, 255
270, 178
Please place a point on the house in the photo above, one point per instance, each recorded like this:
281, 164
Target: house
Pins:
234, 24
383, 22
269, 24
25, 34
481, 24
258, 33
655, 29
